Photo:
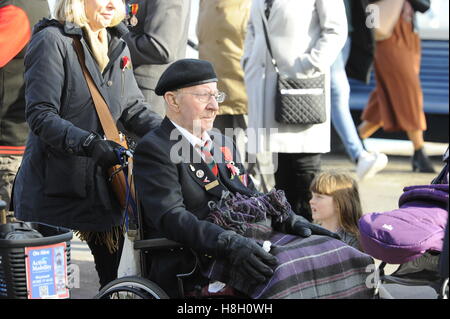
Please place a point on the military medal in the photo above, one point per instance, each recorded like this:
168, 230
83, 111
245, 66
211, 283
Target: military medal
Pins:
200, 173
127, 11
134, 10
244, 179
232, 167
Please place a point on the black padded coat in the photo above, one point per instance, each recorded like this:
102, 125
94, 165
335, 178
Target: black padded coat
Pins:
57, 183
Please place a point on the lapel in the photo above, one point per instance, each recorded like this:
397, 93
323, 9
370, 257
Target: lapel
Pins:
191, 160
262, 7
75, 31
93, 70
233, 184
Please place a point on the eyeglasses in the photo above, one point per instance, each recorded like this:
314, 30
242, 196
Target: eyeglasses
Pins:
206, 97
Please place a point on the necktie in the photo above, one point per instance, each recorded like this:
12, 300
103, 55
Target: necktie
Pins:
207, 151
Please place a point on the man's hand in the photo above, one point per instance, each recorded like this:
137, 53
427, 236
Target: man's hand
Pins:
103, 152
300, 226
245, 254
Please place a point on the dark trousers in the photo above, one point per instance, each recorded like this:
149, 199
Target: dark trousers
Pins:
106, 263
294, 176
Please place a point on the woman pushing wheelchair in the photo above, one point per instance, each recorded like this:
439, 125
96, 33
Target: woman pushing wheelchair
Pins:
63, 179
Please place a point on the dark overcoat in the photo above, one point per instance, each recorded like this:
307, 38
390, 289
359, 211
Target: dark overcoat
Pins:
57, 183
175, 188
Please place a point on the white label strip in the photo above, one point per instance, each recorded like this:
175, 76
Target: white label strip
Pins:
302, 91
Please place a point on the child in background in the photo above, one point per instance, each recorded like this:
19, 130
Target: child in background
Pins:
336, 205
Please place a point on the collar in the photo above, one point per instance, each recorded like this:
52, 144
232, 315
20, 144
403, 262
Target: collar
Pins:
194, 140
119, 30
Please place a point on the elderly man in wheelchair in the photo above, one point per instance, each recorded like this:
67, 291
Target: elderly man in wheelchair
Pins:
193, 190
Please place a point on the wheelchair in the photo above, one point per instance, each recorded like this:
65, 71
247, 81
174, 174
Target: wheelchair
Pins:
139, 287
136, 287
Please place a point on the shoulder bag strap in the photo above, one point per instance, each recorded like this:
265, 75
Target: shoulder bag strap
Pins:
111, 133
103, 112
269, 48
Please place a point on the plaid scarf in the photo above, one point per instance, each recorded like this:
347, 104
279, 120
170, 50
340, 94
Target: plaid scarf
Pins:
312, 267
246, 215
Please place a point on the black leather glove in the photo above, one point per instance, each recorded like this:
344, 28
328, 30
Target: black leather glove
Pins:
300, 226
103, 152
246, 255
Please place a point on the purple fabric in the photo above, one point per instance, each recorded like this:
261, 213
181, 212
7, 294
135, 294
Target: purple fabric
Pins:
313, 267
435, 193
406, 233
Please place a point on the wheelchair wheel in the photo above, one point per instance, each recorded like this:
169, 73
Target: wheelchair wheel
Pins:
131, 288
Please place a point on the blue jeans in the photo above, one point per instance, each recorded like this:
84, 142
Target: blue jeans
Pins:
340, 109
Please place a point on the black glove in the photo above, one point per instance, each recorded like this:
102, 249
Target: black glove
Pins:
300, 226
246, 255
103, 152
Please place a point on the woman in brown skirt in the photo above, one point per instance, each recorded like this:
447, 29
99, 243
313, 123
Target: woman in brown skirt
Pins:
396, 103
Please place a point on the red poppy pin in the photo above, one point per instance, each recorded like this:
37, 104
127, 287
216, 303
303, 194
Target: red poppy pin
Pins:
125, 63
229, 161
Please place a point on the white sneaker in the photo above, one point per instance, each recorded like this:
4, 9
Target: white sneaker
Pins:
369, 164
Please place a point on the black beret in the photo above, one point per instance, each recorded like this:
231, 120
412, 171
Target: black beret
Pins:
184, 73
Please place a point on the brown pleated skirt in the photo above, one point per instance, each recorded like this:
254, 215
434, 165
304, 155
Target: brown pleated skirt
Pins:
396, 103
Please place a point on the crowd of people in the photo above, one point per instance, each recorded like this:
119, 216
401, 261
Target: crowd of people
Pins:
195, 185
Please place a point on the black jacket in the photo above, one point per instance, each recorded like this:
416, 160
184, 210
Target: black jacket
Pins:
179, 198
13, 127
360, 61
57, 183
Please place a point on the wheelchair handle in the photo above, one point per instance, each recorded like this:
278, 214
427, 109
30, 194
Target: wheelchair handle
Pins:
156, 244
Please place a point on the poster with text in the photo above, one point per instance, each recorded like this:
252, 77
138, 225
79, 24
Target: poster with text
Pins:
46, 268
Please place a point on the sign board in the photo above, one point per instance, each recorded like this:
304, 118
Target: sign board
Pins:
46, 268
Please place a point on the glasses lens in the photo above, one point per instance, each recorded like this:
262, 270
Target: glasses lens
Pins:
220, 97
206, 97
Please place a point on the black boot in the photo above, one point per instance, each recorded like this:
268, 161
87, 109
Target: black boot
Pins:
421, 162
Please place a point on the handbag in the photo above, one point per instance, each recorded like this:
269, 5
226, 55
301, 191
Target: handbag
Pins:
122, 186
420, 5
388, 12
298, 101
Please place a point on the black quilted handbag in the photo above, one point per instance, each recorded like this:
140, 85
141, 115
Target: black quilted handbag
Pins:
298, 101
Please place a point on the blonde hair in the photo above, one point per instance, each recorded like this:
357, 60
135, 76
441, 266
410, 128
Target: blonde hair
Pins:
344, 191
73, 11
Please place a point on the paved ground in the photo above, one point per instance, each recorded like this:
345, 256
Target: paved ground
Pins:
378, 194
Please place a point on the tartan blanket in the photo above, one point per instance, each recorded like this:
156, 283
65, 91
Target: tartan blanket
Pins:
309, 268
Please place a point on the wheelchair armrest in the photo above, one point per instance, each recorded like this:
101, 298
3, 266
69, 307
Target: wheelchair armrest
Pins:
156, 244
